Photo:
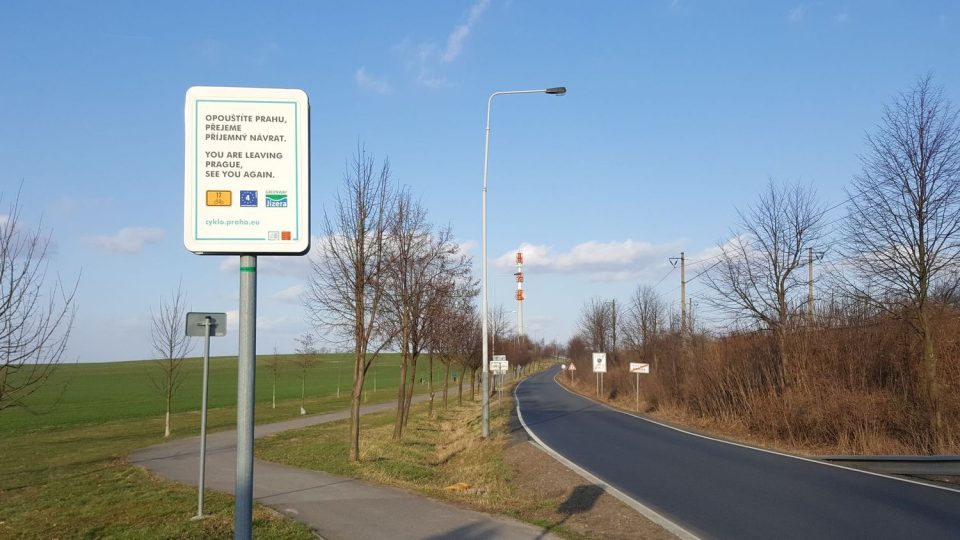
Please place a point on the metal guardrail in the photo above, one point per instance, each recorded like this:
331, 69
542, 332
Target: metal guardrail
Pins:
913, 465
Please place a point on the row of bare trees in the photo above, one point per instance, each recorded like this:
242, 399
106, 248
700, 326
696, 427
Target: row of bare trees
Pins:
384, 278
898, 263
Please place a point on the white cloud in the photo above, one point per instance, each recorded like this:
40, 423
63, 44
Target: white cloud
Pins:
371, 83
603, 261
290, 294
798, 14
129, 240
467, 246
424, 59
460, 33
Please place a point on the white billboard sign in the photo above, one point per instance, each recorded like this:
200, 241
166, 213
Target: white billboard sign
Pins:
246, 171
499, 364
599, 362
636, 367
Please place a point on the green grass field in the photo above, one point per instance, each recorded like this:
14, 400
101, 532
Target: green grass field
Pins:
63, 472
89, 393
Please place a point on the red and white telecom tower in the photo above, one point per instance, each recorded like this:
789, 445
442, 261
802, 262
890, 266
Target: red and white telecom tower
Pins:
519, 275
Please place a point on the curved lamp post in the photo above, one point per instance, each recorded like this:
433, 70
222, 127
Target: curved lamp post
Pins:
485, 386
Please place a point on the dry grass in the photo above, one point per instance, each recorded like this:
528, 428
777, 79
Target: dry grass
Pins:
850, 390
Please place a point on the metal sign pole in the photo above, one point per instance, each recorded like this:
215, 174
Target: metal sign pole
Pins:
638, 391
246, 381
203, 415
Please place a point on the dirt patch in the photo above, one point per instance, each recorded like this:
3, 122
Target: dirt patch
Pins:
566, 500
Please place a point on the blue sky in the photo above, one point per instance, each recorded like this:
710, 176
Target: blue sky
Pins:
678, 112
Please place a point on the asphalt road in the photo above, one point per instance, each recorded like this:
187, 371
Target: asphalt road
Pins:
715, 489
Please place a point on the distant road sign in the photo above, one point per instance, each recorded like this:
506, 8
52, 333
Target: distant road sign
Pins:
572, 367
563, 367
599, 362
499, 364
636, 367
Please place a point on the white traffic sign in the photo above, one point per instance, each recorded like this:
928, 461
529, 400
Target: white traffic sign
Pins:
246, 171
636, 367
599, 362
573, 367
563, 367
499, 364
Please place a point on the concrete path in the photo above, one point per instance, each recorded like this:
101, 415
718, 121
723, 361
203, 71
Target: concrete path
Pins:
333, 506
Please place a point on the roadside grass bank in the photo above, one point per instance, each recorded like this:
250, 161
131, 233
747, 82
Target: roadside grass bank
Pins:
443, 458
731, 427
64, 474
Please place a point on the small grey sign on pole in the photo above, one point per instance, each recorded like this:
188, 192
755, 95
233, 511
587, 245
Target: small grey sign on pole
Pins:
196, 324
206, 325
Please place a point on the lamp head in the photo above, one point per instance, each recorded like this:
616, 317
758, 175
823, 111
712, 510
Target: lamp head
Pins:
557, 91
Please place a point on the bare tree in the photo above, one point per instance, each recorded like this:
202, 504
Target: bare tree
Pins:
345, 295
644, 320
759, 278
273, 364
425, 269
904, 218
171, 344
451, 331
501, 328
596, 324
306, 356
35, 323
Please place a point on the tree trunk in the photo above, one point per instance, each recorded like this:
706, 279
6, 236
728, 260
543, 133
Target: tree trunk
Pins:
463, 373
928, 379
409, 397
166, 427
430, 388
446, 382
355, 406
401, 394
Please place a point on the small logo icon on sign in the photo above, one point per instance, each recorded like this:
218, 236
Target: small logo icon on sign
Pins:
285, 235
248, 198
273, 235
218, 198
276, 199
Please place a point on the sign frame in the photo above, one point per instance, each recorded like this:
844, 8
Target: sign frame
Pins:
599, 362
196, 328
241, 224
499, 364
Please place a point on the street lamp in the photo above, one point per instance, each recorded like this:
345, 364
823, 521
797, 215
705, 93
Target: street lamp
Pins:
485, 385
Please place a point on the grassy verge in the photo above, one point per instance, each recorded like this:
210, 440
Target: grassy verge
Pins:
74, 482
441, 457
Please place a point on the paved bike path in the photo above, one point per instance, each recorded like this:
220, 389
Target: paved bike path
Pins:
333, 506
715, 489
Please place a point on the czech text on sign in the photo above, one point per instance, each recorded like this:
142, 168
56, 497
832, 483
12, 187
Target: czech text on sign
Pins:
499, 364
636, 367
599, 362
246, 171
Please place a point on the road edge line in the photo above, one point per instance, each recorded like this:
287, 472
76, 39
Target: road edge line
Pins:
643, 509
757, 448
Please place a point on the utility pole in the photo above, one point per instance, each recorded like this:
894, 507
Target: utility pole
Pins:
683, 297
810, 285
614, 329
